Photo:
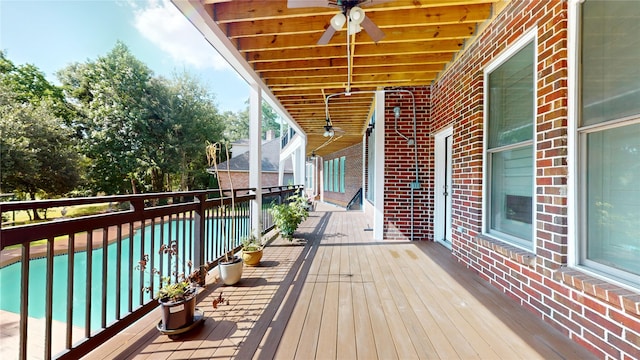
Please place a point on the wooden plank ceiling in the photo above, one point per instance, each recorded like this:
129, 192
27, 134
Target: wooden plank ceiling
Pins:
280, 44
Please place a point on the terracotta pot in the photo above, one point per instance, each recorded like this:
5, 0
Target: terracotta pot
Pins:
252, 258
178, 314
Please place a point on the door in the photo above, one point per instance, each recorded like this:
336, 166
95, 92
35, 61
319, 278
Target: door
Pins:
443, 187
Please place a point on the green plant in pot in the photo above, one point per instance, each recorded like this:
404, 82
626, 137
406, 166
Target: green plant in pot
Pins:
177, 296
252, 250
288, 216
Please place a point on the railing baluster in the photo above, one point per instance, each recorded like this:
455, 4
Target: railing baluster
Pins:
197, 256
184, 256
169, 239
142, 235
70, 267
48, 312
152, 256
105, 258
89, 252
118, 271
24, 299
130, 269
162, 242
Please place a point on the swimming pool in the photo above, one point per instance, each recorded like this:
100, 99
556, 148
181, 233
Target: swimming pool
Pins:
10, 277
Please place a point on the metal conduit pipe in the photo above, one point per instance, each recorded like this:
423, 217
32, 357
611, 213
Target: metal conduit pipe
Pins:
411, 141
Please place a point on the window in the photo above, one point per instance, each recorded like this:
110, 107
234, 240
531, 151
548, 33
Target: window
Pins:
342, 172
609, 138
310, 175
325, 175
336, 175
510, 100
330, 175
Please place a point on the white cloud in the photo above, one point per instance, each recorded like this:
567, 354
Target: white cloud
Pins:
167, 28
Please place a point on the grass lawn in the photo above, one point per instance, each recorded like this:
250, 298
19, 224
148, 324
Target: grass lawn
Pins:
22, 217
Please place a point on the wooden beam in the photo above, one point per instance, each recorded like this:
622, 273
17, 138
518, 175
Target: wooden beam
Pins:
228, 11
392, 35
324, 73
388, 60
310, 81
362, 50
387, 19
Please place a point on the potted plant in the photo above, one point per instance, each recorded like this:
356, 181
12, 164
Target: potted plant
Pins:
230, 269
229, 266
177, 297
252, 250
289, 215
178, 304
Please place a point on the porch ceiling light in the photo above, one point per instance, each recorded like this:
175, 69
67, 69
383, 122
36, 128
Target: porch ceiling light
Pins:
338, 20
328, 129
356, 17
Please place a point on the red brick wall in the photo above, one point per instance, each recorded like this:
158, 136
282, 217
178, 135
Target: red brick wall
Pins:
603, 317
240, 179
400, 167
353, 175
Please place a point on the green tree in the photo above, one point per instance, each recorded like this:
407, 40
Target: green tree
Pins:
112, 94
270, 120
142, 133
28, 84
196, 122
38, 156
238, 123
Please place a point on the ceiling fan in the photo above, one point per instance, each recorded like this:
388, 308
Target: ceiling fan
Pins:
328, 130
332, 133
351, 14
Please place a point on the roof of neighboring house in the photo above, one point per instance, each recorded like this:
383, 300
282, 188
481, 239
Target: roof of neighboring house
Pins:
270, 159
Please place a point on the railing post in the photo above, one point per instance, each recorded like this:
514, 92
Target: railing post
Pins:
198, 230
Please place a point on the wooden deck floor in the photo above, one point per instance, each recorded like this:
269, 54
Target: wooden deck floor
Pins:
340, 295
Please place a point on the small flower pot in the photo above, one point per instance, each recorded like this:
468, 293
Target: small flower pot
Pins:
252, 258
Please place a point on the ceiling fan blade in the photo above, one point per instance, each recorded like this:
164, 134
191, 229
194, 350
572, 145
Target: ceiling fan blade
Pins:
326, 37
372, 29
293, 4
365, 3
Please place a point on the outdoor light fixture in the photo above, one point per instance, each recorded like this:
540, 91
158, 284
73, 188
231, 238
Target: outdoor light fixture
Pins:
338, 20
396, 112
356, 17
328, 130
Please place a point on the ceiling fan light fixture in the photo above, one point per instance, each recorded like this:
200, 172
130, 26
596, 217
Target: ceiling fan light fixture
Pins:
328, 129
356, 15
338, 20
354, 28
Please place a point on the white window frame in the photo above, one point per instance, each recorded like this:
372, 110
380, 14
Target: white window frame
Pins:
529, 37
577, 167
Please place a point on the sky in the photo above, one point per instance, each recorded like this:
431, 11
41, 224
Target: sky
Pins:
52, 34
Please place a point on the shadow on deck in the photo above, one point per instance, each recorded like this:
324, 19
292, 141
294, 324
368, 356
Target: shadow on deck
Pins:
336, 293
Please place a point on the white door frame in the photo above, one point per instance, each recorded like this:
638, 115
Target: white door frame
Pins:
443, 187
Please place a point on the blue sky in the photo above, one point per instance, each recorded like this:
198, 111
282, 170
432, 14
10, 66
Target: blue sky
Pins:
52, 34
